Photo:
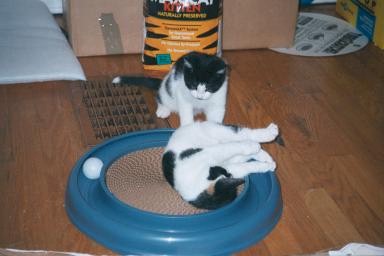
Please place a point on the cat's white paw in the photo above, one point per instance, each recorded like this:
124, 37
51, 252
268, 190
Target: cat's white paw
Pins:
250, 147
263, 156
272, 166
267, 167
273, 130
162, 112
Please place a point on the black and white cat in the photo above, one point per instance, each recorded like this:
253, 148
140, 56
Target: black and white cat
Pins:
205, 162
196, 83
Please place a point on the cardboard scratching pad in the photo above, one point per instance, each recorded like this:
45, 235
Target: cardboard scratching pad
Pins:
137, 180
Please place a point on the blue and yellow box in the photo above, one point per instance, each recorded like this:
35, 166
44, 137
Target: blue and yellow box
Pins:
366, 15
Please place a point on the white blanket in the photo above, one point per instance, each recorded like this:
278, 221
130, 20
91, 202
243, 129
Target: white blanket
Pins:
32, 46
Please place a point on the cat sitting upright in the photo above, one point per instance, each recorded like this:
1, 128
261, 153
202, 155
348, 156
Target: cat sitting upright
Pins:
205, 162
196, 83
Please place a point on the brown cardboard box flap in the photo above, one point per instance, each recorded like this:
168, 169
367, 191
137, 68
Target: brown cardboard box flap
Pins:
252, 24
87, 34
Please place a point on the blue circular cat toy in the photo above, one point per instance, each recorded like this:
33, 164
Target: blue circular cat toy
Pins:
99, 193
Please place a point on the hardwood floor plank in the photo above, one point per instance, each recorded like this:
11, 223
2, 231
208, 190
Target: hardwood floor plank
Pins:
332, 221
366, 179
5, 151
303, 122
46, 143
282, 240
304, 226
334, 176
259, 249
354, 123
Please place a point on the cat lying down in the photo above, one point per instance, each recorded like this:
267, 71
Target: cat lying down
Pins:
205, 162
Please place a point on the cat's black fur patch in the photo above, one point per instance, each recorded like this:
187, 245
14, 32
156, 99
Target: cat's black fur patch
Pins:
225, 192
168, 163
168, 87
216, 171
149, 82
188, 152
158, 98
202, 69
234, 128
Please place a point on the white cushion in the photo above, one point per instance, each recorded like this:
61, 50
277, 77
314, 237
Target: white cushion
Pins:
32, 46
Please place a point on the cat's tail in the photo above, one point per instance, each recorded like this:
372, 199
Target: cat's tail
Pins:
149, 82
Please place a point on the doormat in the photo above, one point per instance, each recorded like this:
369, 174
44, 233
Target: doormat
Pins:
106, 110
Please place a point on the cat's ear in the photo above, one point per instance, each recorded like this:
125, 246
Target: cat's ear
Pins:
227, 184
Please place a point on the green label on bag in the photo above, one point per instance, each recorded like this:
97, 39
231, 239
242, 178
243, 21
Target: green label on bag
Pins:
163, 59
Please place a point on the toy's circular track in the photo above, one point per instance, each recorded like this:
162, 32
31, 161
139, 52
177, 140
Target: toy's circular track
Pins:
100, 211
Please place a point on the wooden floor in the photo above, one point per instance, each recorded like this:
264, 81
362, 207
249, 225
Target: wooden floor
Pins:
330, 111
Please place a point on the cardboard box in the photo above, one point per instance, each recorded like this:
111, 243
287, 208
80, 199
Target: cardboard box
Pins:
99, 27
366, 15
250, 24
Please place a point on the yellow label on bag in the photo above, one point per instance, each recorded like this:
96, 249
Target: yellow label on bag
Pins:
176, 27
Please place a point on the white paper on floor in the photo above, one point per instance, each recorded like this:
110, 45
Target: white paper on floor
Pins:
323, 35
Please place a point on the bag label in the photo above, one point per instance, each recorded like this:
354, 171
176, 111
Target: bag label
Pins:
175, 27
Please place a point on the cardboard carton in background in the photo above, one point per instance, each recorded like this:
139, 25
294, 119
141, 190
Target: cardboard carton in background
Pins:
99, 27
250, 24
89, 38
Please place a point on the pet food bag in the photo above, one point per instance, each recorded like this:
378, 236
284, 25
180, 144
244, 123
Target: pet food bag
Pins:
175, 27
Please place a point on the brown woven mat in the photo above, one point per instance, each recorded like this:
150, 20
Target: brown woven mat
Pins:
106, 110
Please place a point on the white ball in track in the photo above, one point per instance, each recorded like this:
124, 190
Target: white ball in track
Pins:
92, 168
